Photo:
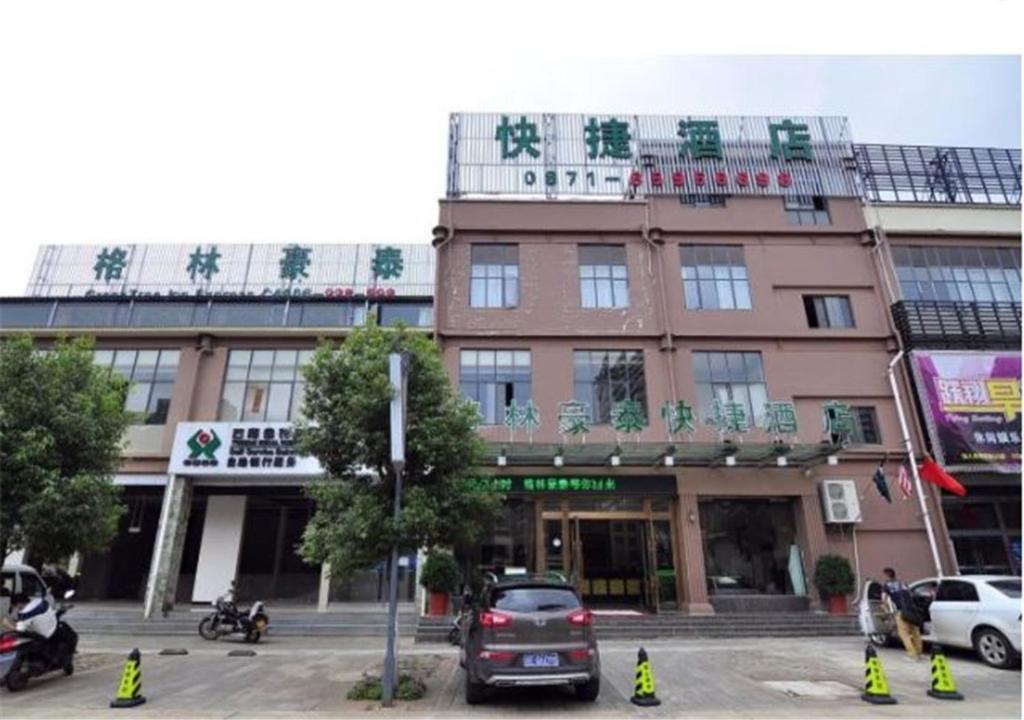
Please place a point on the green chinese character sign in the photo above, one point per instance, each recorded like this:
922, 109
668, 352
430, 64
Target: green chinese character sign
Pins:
701, 139
517, 138
387, 263
779, 419
678, 418
608, 139
573, 418
295, 261
203, 264
628, 417
728, 417
524, 416
110, 264
790, 140
839, 421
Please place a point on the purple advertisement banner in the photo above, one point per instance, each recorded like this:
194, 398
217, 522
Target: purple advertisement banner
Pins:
972, 407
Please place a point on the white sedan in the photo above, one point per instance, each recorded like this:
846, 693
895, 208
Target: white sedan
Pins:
967, 611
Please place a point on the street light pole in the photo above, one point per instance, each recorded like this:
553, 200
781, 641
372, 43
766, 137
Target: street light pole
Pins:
912, 459
398, 375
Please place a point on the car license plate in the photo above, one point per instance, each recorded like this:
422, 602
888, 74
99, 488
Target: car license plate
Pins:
544, 660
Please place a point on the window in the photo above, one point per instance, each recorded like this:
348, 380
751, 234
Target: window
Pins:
494, 278
326, 314
603, 276
604, 377
956, 591
715, 277
865, 429
412, 315
1009, 588
246, 314
263, 385
730, 377
828, 311
968, 274
494, 378
702, 201
90, 314
14, 314
534, 599
162, 314
807, 210
151, 373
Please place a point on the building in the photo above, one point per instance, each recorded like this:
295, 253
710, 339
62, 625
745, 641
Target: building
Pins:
677, 310
947, 229
212, 337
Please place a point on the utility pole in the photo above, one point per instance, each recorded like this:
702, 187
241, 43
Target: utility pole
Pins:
398, 373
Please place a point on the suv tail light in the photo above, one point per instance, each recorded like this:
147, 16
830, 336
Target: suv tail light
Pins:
580, 617
580, 655
495, 655
495, 619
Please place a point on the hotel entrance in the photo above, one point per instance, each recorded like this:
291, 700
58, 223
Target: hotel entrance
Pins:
619, 552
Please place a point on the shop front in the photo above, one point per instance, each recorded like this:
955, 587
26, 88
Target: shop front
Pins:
612, 536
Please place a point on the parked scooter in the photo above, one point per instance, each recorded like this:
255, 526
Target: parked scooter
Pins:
228, 619
25, 655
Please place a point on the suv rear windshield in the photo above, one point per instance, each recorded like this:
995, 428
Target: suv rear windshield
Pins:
1010, 588
534, 599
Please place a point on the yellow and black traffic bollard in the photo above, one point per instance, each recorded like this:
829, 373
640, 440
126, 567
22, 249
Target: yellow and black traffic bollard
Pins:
876, 687
643, 692
129, 691
942, 685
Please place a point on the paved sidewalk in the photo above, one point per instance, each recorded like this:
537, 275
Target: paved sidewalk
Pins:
308, 678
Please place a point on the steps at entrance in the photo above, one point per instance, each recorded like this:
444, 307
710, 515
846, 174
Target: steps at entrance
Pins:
641, 627
284, 623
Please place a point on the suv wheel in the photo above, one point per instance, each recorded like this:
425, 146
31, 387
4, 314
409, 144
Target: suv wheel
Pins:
589, 690
993, 648
476, 692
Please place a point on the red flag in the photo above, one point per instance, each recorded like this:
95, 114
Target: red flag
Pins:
934, 474
904, 481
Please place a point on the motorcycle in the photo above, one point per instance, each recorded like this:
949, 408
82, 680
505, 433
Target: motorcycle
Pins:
25, 655
228, 619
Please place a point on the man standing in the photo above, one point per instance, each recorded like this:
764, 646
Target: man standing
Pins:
908, 618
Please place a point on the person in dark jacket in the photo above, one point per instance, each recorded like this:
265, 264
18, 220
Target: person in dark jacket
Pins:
901, 602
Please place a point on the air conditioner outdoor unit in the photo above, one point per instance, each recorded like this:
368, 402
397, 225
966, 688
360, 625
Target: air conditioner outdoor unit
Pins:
840, 502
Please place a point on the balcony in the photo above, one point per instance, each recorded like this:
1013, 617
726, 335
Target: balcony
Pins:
958, 325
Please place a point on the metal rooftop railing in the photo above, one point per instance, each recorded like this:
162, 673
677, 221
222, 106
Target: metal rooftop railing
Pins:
936, 174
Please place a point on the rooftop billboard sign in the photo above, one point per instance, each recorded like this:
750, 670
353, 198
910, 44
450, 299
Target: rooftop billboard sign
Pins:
560, 155
221, 269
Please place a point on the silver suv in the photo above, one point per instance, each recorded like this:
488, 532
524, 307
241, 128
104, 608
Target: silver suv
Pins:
529, 631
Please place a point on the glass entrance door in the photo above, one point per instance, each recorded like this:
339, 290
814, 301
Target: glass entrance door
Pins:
612, 563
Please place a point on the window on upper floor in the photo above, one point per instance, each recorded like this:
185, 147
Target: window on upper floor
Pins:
969, 274
151, 373
730, 377
495, 379
263, 385
602, 378
715, 277
828, 311
807, 210
604, 281
494, 276
865, 427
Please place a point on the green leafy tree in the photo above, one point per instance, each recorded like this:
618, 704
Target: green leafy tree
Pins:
347, 428
62, 420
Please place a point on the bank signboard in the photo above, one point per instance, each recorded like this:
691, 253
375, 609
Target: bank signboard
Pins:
564, 155
229, 269
240, 449
972, 407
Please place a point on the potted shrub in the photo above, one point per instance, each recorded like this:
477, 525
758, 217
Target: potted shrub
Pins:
440, 577
834, 579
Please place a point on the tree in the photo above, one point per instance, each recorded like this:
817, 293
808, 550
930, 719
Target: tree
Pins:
347, 428
62, 420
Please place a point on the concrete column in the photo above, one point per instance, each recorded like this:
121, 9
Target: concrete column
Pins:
325, 588
691, 553
219, 547
810, 529
162, 586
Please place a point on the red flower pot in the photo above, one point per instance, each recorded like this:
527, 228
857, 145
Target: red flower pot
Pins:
837, 605
438, 603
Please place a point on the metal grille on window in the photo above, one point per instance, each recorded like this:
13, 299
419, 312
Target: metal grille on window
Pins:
603, 276
968, 274
715, 277
495, 379
264, 385
605, 377
494, 276
151, 374
730, 377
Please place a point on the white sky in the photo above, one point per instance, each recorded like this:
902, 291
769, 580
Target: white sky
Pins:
314, 122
